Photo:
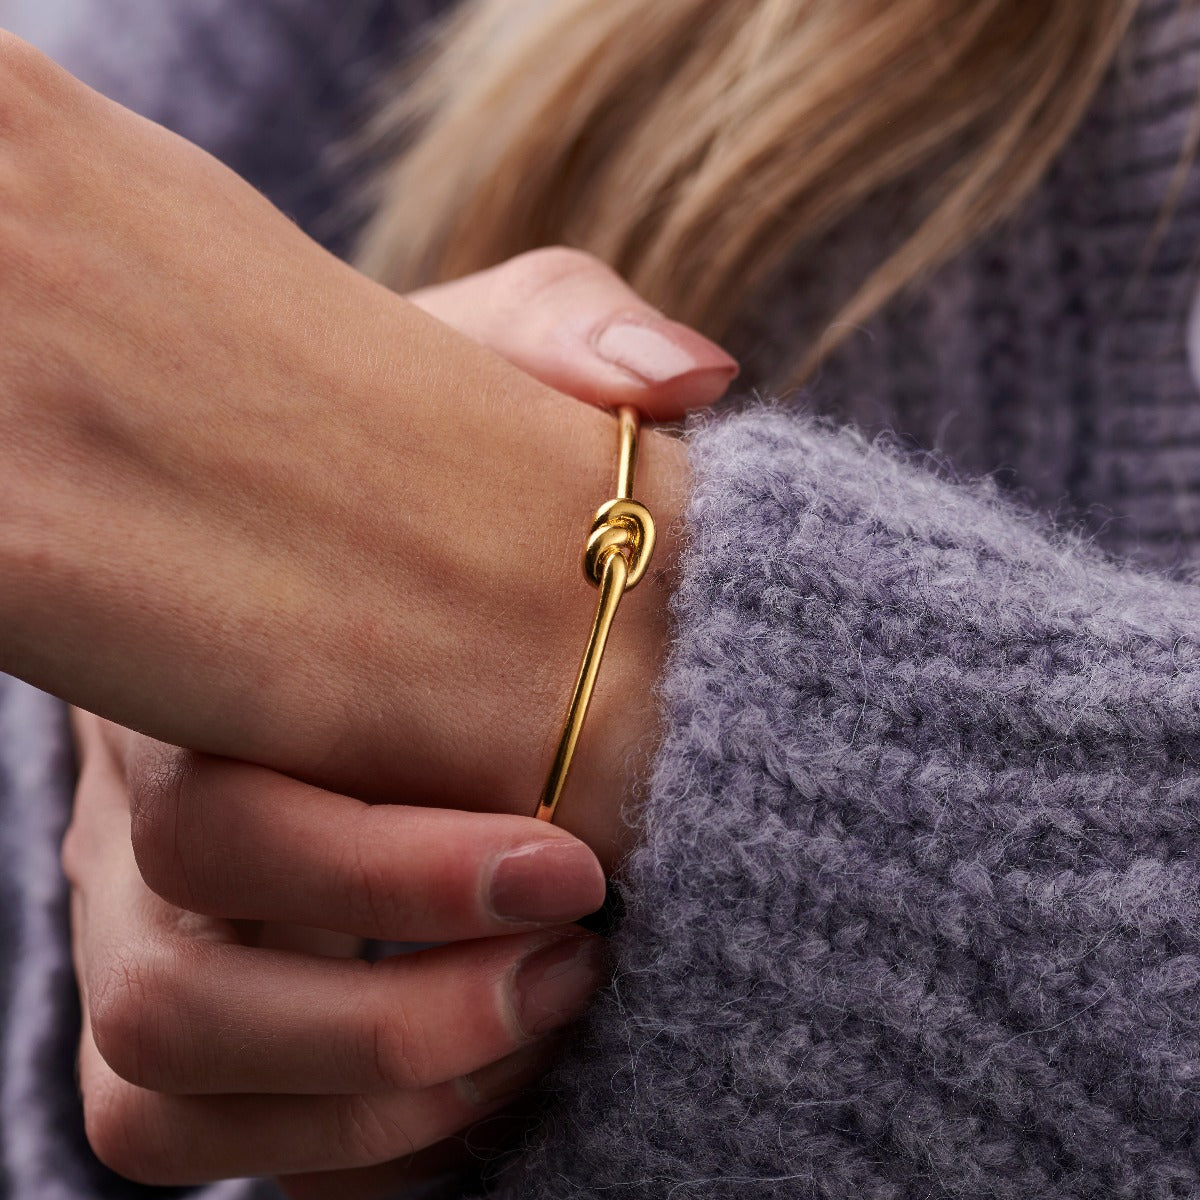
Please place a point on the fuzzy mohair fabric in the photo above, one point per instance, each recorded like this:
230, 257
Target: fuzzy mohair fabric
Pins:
914, 906
1050, 355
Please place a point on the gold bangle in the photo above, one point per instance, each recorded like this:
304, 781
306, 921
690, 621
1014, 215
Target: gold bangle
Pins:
615, 559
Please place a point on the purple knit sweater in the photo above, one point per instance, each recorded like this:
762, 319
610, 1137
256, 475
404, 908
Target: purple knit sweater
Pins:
915, 910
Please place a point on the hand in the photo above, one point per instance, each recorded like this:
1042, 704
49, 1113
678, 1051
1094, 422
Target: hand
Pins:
171, 951
205, 1055
258, 505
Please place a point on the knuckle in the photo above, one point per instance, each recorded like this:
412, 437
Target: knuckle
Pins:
402, 1056
538, 273
109, 1126
116, 1126
368, 881
153, 805
127, 1001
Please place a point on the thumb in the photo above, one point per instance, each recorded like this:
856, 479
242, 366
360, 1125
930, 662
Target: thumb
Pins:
571, 322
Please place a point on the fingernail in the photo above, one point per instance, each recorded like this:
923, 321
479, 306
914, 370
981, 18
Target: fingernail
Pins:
556, 983
510, 1075
548, 882
657, 350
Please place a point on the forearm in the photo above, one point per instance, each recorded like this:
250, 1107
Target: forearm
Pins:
298, 642
271, 510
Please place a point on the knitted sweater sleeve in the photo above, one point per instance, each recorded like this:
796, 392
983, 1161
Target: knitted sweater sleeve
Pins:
914, 912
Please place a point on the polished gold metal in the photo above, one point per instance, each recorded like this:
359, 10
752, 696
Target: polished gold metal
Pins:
626, 526
627, 431
614, 560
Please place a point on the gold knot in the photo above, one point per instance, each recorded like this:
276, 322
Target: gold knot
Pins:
616, 557
622, 527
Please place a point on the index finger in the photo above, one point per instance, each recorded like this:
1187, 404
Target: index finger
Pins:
242, 842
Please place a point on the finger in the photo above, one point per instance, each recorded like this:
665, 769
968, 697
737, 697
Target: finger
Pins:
176, 1140
245, 843
573, 323
206, 1018
176, 1005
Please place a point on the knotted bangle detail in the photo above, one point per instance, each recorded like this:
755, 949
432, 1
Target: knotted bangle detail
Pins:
614, 560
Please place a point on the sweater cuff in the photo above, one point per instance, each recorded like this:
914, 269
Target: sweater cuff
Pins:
914, 908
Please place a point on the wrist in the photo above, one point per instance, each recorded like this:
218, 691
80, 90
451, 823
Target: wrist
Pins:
381, 595
534, 468
621, 729
522, 472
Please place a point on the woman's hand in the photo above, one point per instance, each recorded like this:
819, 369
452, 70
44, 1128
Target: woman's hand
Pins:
196, 963
258, 505
205, 1055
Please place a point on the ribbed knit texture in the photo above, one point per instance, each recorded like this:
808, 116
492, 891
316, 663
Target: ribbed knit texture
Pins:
1052, 353
915, 905
916, 911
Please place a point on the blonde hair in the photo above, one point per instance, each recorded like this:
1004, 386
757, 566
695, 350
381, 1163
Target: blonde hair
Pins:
699, 145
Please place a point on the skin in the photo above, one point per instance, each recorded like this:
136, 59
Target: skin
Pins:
259, 503
213, 889
259, 506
